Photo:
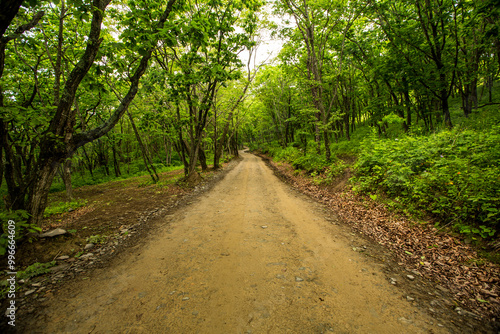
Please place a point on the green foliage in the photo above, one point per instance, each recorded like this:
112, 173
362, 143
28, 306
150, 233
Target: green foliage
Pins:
35, 269
60, 207
96, 239
310, 162
453, 175
22, 228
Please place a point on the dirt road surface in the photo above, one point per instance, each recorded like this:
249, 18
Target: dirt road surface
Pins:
249, 256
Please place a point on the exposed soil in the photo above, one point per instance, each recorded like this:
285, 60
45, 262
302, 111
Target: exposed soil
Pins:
456, 278
111, 206
250, 255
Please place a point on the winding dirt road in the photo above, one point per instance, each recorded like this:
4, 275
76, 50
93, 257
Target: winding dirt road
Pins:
249, 256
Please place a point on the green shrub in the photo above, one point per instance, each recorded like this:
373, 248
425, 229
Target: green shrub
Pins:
35, 269
96, 239
22, 228
454, 175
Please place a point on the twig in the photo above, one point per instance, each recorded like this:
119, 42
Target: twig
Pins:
57, 255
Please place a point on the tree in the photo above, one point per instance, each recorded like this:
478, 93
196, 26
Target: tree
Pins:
29, 181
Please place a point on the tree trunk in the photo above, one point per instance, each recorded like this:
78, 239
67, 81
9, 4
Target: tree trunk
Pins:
116, 163
145, 156
203, 159
220, 144
445, 108
66, 176
37, 198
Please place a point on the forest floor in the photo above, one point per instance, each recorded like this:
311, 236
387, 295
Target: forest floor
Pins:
247, 254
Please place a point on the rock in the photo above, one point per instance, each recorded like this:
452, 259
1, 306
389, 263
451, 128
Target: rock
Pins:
29, 292
461, 311
36, 284
298, 279
195, 313
63, 257
53, 233
410, 277
185, 298
393, 281
404, 320
58, 268
264, 226
410, 299
86, 256
89, 246
7, 311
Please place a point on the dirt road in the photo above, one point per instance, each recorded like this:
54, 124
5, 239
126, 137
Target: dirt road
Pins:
250, 256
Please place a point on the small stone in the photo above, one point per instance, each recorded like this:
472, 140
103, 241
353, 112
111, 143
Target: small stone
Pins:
36, 285
404, 320
7, 311
264, 226
86, 256
185, 298
89, 246
63, 257
410, 277
29, 292
53, 233
461, 311
410, 299
195, 313
298, 279
393, 281
60, 267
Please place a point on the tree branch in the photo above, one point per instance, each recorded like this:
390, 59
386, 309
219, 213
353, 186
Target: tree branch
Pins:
86, 137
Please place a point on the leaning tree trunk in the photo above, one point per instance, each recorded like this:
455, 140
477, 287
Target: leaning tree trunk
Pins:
145, 156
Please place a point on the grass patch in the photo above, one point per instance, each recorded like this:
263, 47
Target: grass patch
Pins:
61, 207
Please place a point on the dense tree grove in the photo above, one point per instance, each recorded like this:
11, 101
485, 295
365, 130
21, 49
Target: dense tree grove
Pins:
72, 69
363, 62
104, 87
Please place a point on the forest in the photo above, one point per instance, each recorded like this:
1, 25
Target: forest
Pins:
404, 94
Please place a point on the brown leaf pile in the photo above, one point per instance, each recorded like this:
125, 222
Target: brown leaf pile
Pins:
437, 256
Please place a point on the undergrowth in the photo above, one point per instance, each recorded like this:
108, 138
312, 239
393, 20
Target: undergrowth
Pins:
453, 175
